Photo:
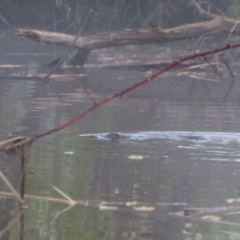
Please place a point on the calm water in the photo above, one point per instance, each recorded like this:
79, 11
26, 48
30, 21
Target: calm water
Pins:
180, 149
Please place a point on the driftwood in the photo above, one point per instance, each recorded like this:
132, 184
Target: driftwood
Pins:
129, 37
85, 44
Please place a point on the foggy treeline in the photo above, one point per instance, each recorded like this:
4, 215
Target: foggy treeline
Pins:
107, 15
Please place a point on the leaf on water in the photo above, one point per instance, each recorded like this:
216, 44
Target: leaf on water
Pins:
211, 218
110, 208
186, 232
69, 153
182, 73
135, 157
145, 208
10, 66
129, 204
62, 78
233, 200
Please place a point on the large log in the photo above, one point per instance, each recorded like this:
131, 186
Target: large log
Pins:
85, 44
129, 37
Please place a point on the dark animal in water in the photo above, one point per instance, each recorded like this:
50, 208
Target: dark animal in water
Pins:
77, 60
195, 138
80, 58
111, 136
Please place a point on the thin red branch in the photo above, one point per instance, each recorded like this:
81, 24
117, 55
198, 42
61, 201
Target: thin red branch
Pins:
137, 85
89, 95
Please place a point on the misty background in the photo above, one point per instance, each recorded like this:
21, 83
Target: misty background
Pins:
106, 15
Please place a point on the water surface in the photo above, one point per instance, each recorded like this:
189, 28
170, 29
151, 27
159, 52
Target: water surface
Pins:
180, 149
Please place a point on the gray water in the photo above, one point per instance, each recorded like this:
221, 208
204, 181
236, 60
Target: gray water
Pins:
179, 148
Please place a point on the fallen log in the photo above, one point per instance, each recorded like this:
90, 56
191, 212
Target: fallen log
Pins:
214, 24
130, 37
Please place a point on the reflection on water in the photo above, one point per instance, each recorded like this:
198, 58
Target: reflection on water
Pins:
178, 147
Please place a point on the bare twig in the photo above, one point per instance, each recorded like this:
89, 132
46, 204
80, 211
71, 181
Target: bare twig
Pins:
10, 223
203, 13
12, 189
213, 68
89, 95
70, 200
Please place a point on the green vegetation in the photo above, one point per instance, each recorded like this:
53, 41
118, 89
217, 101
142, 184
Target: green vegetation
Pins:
234, 11
63, 4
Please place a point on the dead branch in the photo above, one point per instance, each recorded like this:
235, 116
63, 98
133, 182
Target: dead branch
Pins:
205, 15
126, 37
11, 145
